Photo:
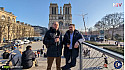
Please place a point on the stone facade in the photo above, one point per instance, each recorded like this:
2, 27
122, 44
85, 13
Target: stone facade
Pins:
11, 29
119, 30
64, 19
108, 33
40, 30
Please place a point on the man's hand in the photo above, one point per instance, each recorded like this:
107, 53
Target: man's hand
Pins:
76, 45
68, 45
57, 40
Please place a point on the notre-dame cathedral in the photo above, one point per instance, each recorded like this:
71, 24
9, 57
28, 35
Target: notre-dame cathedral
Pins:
63, 18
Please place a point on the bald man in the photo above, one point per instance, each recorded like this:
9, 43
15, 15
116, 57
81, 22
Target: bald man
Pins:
53, 42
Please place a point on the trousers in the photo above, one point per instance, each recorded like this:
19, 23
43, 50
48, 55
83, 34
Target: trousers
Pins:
50, 62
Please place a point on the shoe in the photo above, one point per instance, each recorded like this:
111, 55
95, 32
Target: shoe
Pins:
36, 65
64, 69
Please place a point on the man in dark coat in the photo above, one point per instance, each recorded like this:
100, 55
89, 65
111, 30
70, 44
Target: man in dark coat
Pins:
28, 57
71, 48
53, 42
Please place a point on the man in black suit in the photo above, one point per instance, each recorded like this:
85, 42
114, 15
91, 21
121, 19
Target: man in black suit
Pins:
53, 42
71, 48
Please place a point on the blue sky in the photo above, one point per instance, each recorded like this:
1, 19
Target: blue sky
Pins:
36, 12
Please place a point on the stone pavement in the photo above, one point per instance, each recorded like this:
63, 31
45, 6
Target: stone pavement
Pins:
42, 62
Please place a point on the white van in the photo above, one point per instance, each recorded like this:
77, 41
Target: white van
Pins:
19, 42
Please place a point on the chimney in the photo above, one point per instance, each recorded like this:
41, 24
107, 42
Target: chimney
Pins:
26, 24
10, 12
18, 22
22, 23
29, 25
2, 8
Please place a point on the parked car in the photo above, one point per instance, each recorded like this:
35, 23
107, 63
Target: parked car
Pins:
8, 46
26, 41
101, 38
35, 39
40, 38
19, 42
30, 39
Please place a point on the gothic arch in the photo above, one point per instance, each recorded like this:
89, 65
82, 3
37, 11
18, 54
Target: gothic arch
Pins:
60, 23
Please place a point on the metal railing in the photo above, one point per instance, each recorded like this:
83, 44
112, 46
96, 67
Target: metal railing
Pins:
97, 58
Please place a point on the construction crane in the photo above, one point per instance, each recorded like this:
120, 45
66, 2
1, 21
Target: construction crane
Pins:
84, 23
83, 15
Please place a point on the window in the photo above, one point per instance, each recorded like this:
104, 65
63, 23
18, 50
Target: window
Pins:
66, 10
67, 24
53, 10
60, 17
13, 20
60, 23
9, 19
54, 18
3, 17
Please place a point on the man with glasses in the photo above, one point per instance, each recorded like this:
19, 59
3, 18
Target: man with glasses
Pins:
71, 41
53, 42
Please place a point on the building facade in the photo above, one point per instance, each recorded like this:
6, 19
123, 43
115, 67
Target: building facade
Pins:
108, 33
11, 29
119, 30
40, 30
63, 18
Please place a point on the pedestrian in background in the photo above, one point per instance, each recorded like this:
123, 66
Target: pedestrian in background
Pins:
15, 58
38, 53
28, 58
35, 54
6, 54
43, 47
41, 51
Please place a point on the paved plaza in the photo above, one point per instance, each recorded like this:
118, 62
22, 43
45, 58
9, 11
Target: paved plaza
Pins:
95, 60
42, 62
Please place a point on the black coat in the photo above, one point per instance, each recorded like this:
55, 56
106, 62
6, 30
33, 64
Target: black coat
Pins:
28, 57
6, 55
76, 37
53, 49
